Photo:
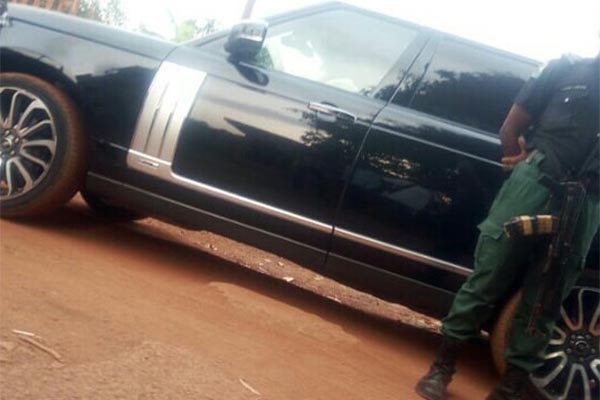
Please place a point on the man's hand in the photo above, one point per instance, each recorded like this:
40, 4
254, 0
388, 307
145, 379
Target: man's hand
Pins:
513, 143
509, 163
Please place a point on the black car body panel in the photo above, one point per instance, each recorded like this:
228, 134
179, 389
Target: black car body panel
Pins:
132, 43
107, 71
380, 185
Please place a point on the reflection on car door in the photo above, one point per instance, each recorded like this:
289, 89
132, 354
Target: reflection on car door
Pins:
430, 167
278, 137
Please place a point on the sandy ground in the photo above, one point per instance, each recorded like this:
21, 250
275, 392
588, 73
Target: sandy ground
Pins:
146, 310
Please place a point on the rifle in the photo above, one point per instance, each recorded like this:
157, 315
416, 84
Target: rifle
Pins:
569, 196
568, 200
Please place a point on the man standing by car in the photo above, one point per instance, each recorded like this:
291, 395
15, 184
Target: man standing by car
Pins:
561, 105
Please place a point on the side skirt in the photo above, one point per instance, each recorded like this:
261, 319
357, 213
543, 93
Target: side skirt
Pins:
389, 286
193, 218
419, 296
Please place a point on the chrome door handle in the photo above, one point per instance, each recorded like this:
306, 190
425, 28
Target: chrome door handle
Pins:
328, 109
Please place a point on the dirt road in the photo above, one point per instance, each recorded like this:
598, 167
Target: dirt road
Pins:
148, 311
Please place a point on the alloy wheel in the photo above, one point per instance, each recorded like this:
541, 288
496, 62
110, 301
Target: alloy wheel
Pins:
572, 366
28, 142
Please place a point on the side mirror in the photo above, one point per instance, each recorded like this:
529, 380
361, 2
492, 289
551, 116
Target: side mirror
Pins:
246, 39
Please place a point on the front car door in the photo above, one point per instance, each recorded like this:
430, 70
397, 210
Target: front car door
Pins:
270, 143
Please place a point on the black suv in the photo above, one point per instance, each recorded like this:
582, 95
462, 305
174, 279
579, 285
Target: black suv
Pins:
356, 144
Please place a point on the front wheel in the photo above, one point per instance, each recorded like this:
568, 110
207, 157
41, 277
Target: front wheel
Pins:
572, 364
42, 146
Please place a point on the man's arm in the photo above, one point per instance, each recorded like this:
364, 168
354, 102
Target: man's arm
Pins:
511, 135
527, 108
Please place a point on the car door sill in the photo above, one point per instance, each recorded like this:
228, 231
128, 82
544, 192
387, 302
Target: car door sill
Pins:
167, 174
401, 251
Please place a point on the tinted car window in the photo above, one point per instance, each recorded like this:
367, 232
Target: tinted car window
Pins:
470, 85
342, 48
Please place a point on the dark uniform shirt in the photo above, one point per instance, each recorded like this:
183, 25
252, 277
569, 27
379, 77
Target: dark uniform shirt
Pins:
563, 101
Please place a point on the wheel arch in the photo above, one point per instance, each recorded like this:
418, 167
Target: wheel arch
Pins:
45, 68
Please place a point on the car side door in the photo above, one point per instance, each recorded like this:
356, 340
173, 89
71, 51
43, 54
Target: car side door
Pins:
430, 168
270, 143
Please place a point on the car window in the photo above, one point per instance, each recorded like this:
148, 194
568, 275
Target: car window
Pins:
341, 48
471, 85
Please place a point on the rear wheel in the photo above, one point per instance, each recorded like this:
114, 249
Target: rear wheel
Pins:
572, 364
42, 146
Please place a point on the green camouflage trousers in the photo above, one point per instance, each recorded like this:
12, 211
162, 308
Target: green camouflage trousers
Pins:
501, 267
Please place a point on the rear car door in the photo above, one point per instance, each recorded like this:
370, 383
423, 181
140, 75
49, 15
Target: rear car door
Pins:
272, 141
430, 168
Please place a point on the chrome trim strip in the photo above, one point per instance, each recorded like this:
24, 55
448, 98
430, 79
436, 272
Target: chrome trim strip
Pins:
162, 169
168, 102
439, 146
117, 146
137, 156
198, 210
148, 114
332, 110
253, 204
402, 252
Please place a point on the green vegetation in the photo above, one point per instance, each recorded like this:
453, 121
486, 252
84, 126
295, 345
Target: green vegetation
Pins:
109, 12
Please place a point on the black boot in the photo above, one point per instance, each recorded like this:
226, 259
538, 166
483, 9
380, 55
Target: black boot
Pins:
511, 386
433, 385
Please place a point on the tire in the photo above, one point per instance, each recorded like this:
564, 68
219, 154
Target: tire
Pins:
499, 336
106, 210
43, 148
572, 358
